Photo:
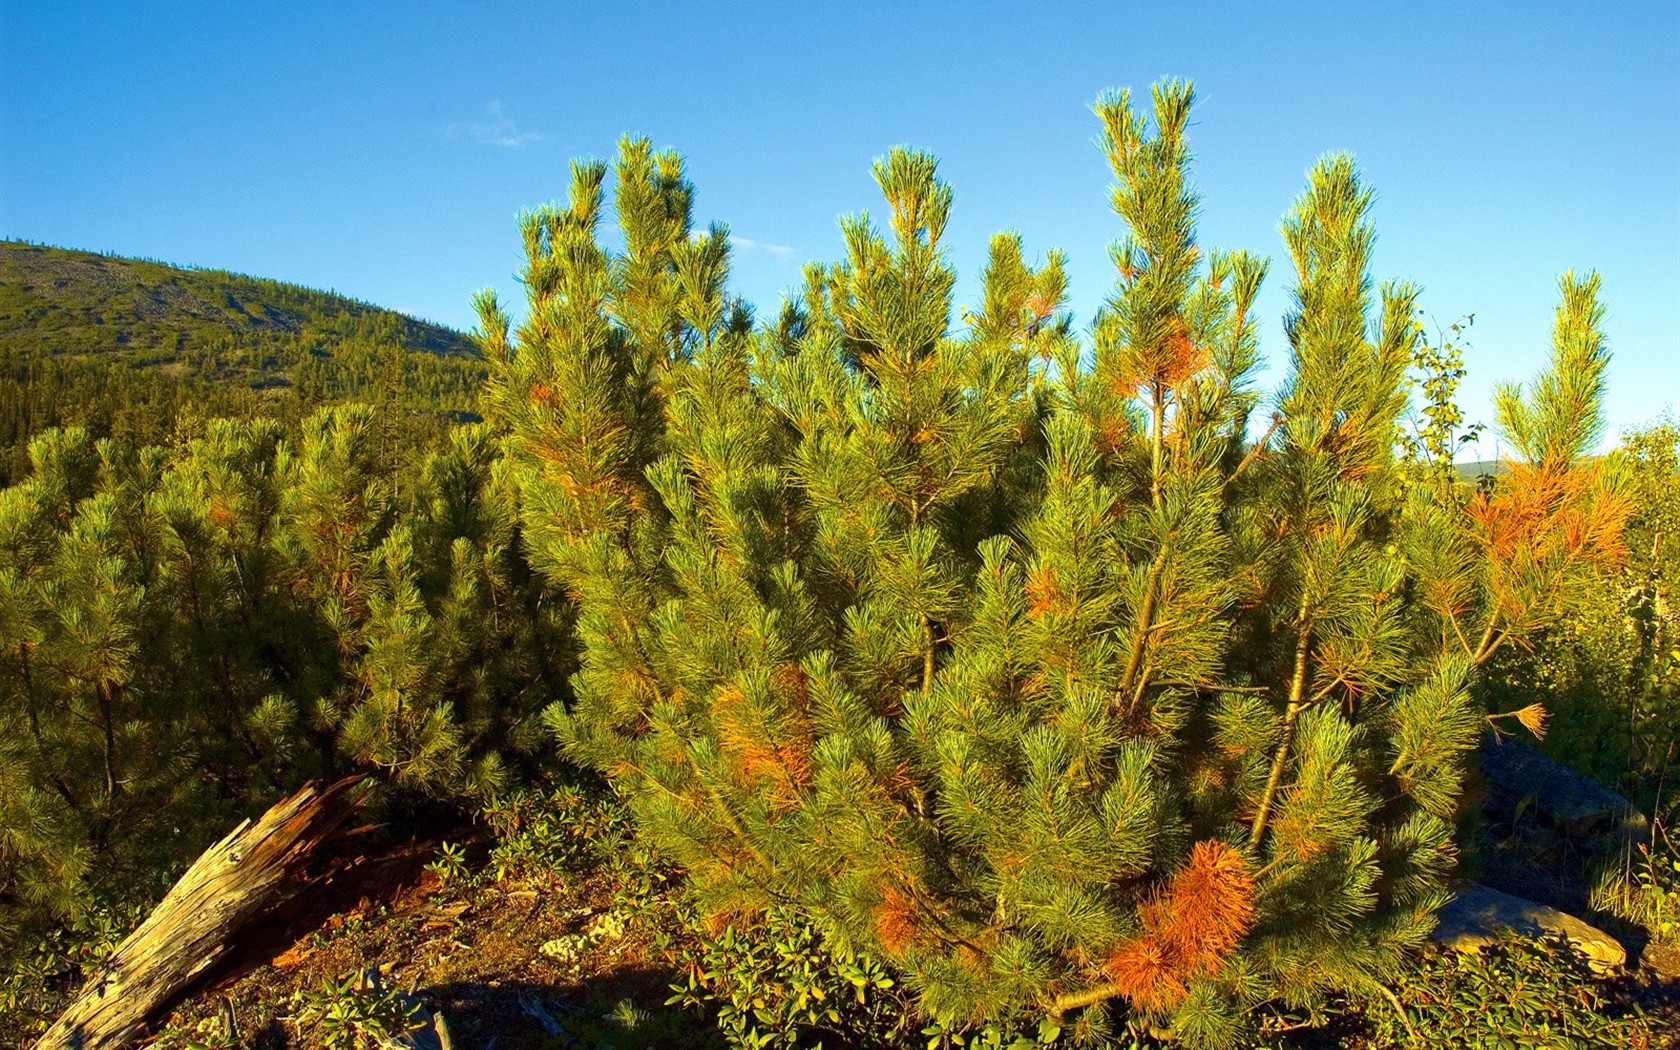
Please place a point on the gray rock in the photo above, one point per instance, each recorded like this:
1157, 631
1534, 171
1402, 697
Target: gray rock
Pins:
1589, 813
1476, 916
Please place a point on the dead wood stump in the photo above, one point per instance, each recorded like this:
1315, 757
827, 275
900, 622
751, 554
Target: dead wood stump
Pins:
258, 867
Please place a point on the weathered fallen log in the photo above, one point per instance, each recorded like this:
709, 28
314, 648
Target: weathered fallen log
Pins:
257, 868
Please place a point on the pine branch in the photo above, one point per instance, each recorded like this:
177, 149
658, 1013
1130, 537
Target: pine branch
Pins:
1142, 629
1399, 1010
1291, 715
1059, 1006
1463, 641
54, 776
1488, 643
1158, 410
110, 749
1253, 453
1142, 684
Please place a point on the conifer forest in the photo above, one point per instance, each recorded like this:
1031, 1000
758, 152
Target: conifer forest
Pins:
867, 669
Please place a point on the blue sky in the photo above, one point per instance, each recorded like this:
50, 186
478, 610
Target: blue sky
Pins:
383, 150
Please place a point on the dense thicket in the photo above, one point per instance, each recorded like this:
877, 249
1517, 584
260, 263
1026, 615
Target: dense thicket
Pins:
187, 631
1005, 656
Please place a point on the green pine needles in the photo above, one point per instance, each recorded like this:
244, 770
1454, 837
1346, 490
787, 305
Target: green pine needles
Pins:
1028, 663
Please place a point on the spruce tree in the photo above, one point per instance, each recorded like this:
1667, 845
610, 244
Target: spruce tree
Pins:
1034, 668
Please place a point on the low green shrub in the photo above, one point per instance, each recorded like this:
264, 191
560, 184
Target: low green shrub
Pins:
450, 865
358, 1013
558, 829
1516, 995
773, 983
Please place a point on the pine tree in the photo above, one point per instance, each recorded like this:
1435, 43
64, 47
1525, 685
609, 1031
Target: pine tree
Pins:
437, 647
1012, 662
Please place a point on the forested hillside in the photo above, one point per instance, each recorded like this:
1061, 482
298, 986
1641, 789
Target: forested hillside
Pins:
124, 347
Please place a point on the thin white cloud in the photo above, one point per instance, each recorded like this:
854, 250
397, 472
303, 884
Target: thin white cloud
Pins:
778, 252
494, 130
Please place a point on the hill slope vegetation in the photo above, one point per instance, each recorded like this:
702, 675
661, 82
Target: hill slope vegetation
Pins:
125, 347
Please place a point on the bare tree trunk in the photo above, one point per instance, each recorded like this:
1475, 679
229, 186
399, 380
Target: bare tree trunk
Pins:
234, 883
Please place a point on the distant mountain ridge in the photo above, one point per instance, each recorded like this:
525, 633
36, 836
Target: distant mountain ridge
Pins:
128, 347
67, 300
